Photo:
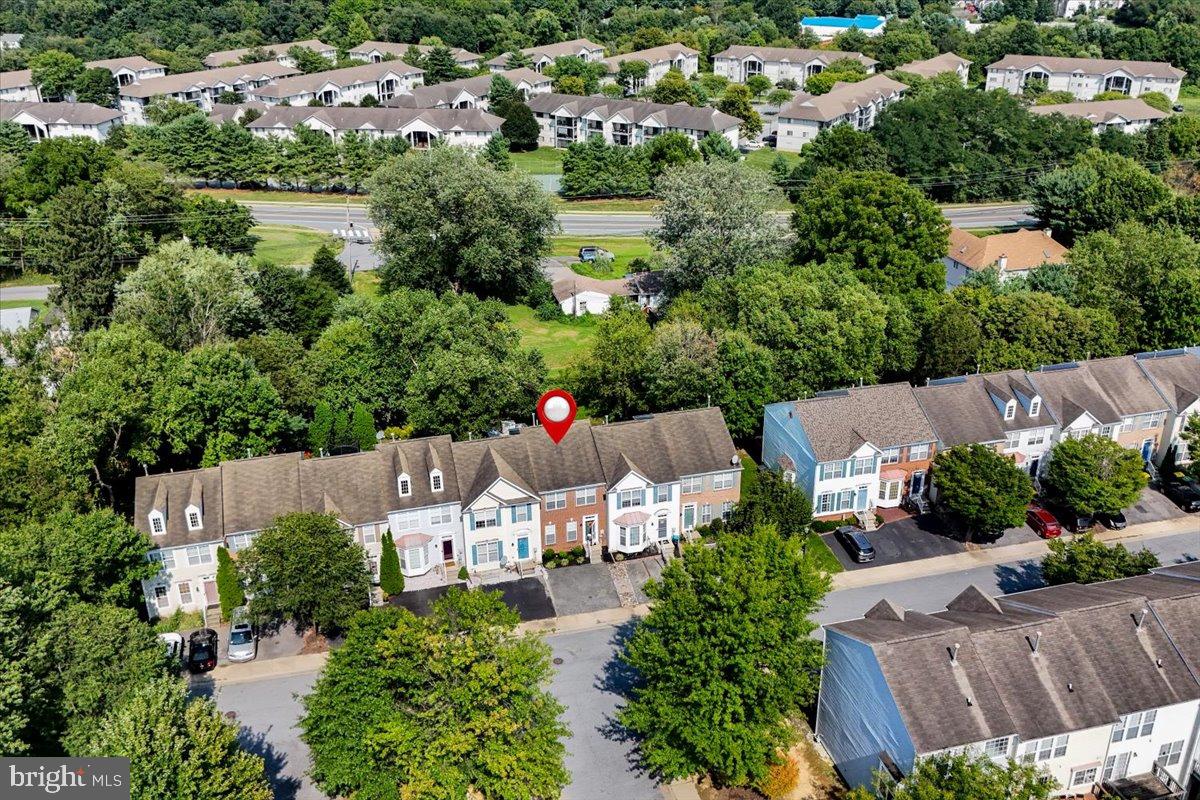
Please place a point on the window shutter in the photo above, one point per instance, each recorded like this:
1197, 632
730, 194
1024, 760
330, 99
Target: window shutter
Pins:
470, 520
669, 491
500, 549
513, 512
474, 555
498, 511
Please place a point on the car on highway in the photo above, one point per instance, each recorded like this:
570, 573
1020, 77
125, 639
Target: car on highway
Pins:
202, 650
1114, 522
243, 641
856, 543
1044, 524
1183, 493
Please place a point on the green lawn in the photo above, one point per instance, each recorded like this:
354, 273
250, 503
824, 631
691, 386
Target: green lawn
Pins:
365, 282
543, 161
28, 279
290, 245
280, 196
40, 305
764, 157
562, 342
826, 560
623, 248
642, 205
1190, 100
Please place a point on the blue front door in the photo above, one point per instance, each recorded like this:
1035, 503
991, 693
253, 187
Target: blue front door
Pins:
522, 548
861, 503
1147, 449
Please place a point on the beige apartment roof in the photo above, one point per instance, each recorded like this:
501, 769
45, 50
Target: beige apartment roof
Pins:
16, 78
379, 119
312, 83
1090, 66
135, 63
1025, 249
653, 55
844, 98
678, 115
1102, 112
946, 62
556, 50
399, 49
222, 57
796, 54
239, 73
63, 113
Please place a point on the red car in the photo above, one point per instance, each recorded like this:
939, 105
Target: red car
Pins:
1043, 522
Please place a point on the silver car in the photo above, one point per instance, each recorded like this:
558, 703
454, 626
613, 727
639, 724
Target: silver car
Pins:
243, 640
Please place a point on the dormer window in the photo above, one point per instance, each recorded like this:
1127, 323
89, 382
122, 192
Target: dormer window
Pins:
1035, 406
194, 521
404, 486
1010, 409
435, 480
158, 525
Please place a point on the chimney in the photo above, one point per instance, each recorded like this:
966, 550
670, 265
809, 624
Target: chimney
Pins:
1048, 233
1002, 262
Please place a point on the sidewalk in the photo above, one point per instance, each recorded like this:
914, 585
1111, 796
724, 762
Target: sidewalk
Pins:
938, 565
609, 617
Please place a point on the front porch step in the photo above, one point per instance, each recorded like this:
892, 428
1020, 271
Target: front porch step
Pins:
212, 616
866, 519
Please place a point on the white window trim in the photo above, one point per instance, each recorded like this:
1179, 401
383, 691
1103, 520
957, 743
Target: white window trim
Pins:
918, 452
585, 497
551, 534
723, 480
1035, 406
404, 485
556, 501
437, 483
158, 523
1010, 409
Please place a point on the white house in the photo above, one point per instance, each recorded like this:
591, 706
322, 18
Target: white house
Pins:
545, 55
464, 127
201, 89
279, 52
382, 51
566, 118
1069, 8
11, 41
1018, 678
851, 450
18, 85
1129, 116
740, 61
382, 81
1013, 254
938, 65
470, 92
1085, 77
826, 28
57, 120
578, 295
659, 61
857, 104
1176, 375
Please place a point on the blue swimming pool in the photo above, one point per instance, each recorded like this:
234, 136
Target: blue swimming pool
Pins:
863, 21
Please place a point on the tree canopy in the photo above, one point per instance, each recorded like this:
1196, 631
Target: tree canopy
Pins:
1095, 475
982, 489
1086, 559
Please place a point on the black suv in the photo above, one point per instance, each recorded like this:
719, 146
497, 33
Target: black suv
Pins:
856, 543
202, 650
1183, 493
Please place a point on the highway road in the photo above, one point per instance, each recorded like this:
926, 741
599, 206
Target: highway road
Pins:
330, 217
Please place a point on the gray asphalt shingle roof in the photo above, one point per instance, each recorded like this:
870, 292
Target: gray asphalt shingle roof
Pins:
837, 423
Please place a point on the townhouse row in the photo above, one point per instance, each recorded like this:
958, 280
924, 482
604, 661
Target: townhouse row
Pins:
1084, 78
858, 449
18, 85
484, 504
1097, 685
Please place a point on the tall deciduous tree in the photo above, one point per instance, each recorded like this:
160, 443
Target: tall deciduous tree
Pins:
715, 218
448, 221
725, 656
520, 127
221, 225
446, 706
770, 500
1095, 475
187, 296
611, 379
884, 229
306, 568
177, 747
965, 775
1086, 559
673, 88
55, 73
96, 85
735, 101
985, 491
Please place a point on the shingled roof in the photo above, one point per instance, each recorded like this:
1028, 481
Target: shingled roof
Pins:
1176, 374
678, 115
961, 409
797, 55
844, 98
1090, 66
665, 447
529, 460
222, 57
348, 76
839, 422
930, 67
227, 76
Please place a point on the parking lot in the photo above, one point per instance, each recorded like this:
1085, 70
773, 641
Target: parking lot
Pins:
527, 596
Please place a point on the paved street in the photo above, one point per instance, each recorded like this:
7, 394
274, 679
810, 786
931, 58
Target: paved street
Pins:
588, 682
25, 292
331, 216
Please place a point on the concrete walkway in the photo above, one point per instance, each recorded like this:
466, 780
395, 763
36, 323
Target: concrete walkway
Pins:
1131, 537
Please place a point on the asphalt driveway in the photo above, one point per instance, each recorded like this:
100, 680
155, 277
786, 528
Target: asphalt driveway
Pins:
527, 596
582, 589
1152, 507
924, 536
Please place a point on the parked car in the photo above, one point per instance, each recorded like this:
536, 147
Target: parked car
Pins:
202, 650
1044, 523
770, 139
916, 504
1184, 493
1116, 522
243, 640
1078, 523
856, 543
173, 642
589, 252
1177, 108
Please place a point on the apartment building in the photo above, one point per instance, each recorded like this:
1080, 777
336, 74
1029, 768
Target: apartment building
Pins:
484, 504
566, 118
1176, 375
56, 120
852, 450
857, 104
201, 89
742, 61
421, 127
1128, 116
939, 65
382, 81
18, 85
1013, 254
471, 92
1085, 77
375, 52
544, 55
279, 52
659, 61
1096, 685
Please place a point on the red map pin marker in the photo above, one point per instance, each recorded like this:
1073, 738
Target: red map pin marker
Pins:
556, 410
